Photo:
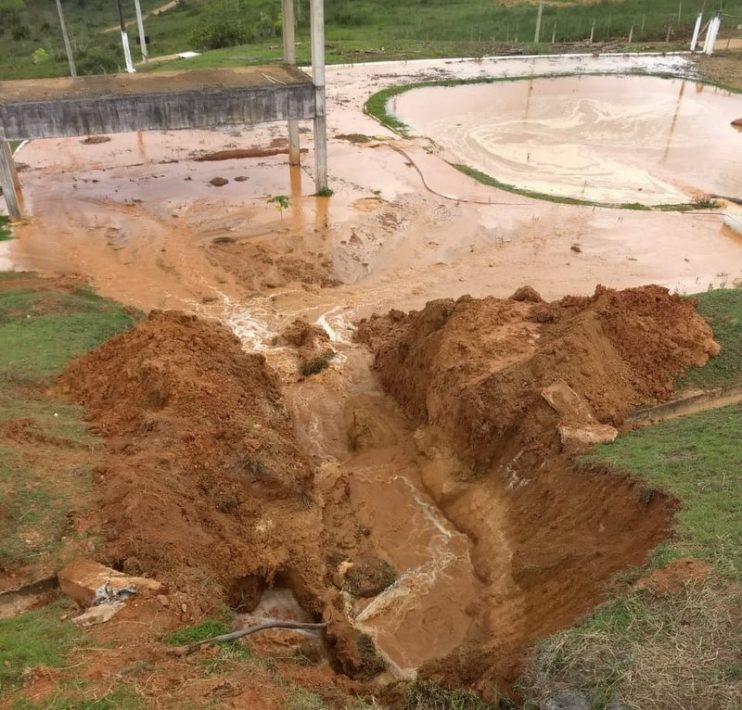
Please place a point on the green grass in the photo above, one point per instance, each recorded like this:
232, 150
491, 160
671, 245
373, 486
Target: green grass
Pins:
649, 647
722, 308
119, 699
46, 463
5, 228
696, 459
204, 630
36, 638
356, 30
42, 331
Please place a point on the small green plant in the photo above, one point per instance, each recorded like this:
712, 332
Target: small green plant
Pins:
40, 56
324, 192
316, 364
192, 634
4, 228
280, 201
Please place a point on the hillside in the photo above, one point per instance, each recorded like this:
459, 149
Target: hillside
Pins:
31, 43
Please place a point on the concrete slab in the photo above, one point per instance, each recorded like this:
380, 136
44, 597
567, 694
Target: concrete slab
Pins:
48, 108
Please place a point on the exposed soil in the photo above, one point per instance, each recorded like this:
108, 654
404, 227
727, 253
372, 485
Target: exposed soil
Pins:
259, 266
474, 369
547, 536
204, 479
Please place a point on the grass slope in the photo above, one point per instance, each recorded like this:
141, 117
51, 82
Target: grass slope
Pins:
675, 650
46, 459
722, 308
355, 29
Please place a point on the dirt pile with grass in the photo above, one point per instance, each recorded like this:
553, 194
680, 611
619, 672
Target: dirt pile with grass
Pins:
474, 369
205, 486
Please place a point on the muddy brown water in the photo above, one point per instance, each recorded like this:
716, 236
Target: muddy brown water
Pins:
603, 139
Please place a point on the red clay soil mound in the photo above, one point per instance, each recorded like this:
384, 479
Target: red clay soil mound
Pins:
204, 479
475, 368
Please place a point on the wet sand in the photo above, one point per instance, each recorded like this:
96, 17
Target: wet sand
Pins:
603, 139
139, 218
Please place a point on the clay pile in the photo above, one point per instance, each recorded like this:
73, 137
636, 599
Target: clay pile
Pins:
478, 370
205, 486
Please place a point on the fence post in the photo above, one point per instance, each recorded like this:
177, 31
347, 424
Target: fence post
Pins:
696, 32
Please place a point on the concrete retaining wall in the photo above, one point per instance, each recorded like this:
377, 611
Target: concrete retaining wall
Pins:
166, 111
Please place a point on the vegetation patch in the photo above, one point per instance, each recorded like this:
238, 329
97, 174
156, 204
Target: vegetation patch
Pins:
646, 646
46, 453
722, 308
316, 364
4, 228
426, 695
193, 634
37, 638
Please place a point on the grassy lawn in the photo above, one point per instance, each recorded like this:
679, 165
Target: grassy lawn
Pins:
672, 650
722, 308
46, 459
356, 30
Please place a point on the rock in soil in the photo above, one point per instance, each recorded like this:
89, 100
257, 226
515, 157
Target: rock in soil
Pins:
218, 181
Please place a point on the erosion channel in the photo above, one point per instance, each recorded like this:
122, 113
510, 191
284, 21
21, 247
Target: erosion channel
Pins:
415, 488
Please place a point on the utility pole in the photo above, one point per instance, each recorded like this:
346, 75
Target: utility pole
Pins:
125, 40
537, 38
67, 45
317, 29
140, 27
289, 56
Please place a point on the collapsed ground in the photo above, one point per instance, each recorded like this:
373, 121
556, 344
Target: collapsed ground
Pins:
221, 510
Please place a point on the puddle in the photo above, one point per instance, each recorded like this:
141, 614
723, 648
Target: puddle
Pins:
604, 139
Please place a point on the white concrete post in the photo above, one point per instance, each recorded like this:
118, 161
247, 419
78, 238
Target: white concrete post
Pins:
696, 32
140, 27
125, 40
9, 182
289, 56
317, 23
66, 37
537, 37
712, 34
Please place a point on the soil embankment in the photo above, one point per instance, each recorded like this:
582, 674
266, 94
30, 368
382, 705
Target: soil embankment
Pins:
205, 485
547, 537
447, 521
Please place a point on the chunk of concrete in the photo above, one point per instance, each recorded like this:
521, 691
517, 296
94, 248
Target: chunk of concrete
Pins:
80, 580
99, 614
587, 434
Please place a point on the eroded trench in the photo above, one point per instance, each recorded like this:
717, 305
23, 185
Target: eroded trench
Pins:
485, 563
420, 492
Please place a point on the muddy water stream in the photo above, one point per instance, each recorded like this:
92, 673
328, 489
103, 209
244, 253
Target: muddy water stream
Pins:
604, 139
358, 435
